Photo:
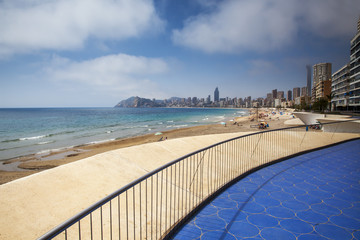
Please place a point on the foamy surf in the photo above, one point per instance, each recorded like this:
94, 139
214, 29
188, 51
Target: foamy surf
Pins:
24, 139
43, 143
33, 138
101, 141
48, 151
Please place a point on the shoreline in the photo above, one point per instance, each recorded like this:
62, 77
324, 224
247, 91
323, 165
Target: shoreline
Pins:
18, 167
87, 126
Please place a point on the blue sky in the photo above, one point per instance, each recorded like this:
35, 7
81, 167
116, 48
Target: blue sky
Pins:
94, 53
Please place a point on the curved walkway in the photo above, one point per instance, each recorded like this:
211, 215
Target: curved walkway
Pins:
312, 196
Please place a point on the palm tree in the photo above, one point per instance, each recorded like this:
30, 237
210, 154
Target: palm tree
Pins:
329, 97
320, 104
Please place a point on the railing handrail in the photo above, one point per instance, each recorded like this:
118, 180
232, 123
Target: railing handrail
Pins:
61, 227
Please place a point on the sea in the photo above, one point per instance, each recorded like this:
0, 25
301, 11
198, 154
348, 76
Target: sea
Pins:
46, 130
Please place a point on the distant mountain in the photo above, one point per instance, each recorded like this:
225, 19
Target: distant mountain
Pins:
138, 102
175, 99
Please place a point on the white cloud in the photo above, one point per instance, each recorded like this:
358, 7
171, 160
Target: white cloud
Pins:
67, 24
241, 25
330, 18
121, 73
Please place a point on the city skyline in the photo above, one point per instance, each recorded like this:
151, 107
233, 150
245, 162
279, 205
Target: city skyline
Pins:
70, 54
285, 100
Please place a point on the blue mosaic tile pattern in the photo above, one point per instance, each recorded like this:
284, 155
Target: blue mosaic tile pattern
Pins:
312, 196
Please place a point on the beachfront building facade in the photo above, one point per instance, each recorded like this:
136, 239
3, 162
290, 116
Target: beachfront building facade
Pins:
277, 102
323, 89
274, 93
296, 92
321, 81
346, 81
268, 100
340, 87
354, 97
304, 91
289, 95
308, 80
302, 100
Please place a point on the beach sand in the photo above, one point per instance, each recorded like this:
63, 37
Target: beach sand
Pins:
24, 166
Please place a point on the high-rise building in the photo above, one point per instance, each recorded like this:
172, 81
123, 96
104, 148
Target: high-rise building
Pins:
280, 94
323, 89
321, 73
304, 91
274, 93
216, 95
340, 88
289, 95
208, 99
269, 99
194, 100
296, 92
354, 93
308, 80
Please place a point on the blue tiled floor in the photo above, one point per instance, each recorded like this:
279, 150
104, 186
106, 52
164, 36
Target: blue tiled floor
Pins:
312, 196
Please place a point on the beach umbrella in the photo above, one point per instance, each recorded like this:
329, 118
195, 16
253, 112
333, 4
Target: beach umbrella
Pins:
158, 133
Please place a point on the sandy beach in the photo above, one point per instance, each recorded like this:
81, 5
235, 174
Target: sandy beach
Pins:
24, 166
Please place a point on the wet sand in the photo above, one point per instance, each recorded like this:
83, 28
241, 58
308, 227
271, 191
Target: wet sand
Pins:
24, 166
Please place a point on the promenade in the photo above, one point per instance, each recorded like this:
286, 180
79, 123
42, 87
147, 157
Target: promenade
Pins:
311, 196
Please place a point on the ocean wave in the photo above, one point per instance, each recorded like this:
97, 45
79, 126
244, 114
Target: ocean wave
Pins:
16, 147
61, 133
177, 126
36, 137
48, 151
47, 142
111, 126
44, 151
33, 138
24, 139
100, 141
11, 140
180, 126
